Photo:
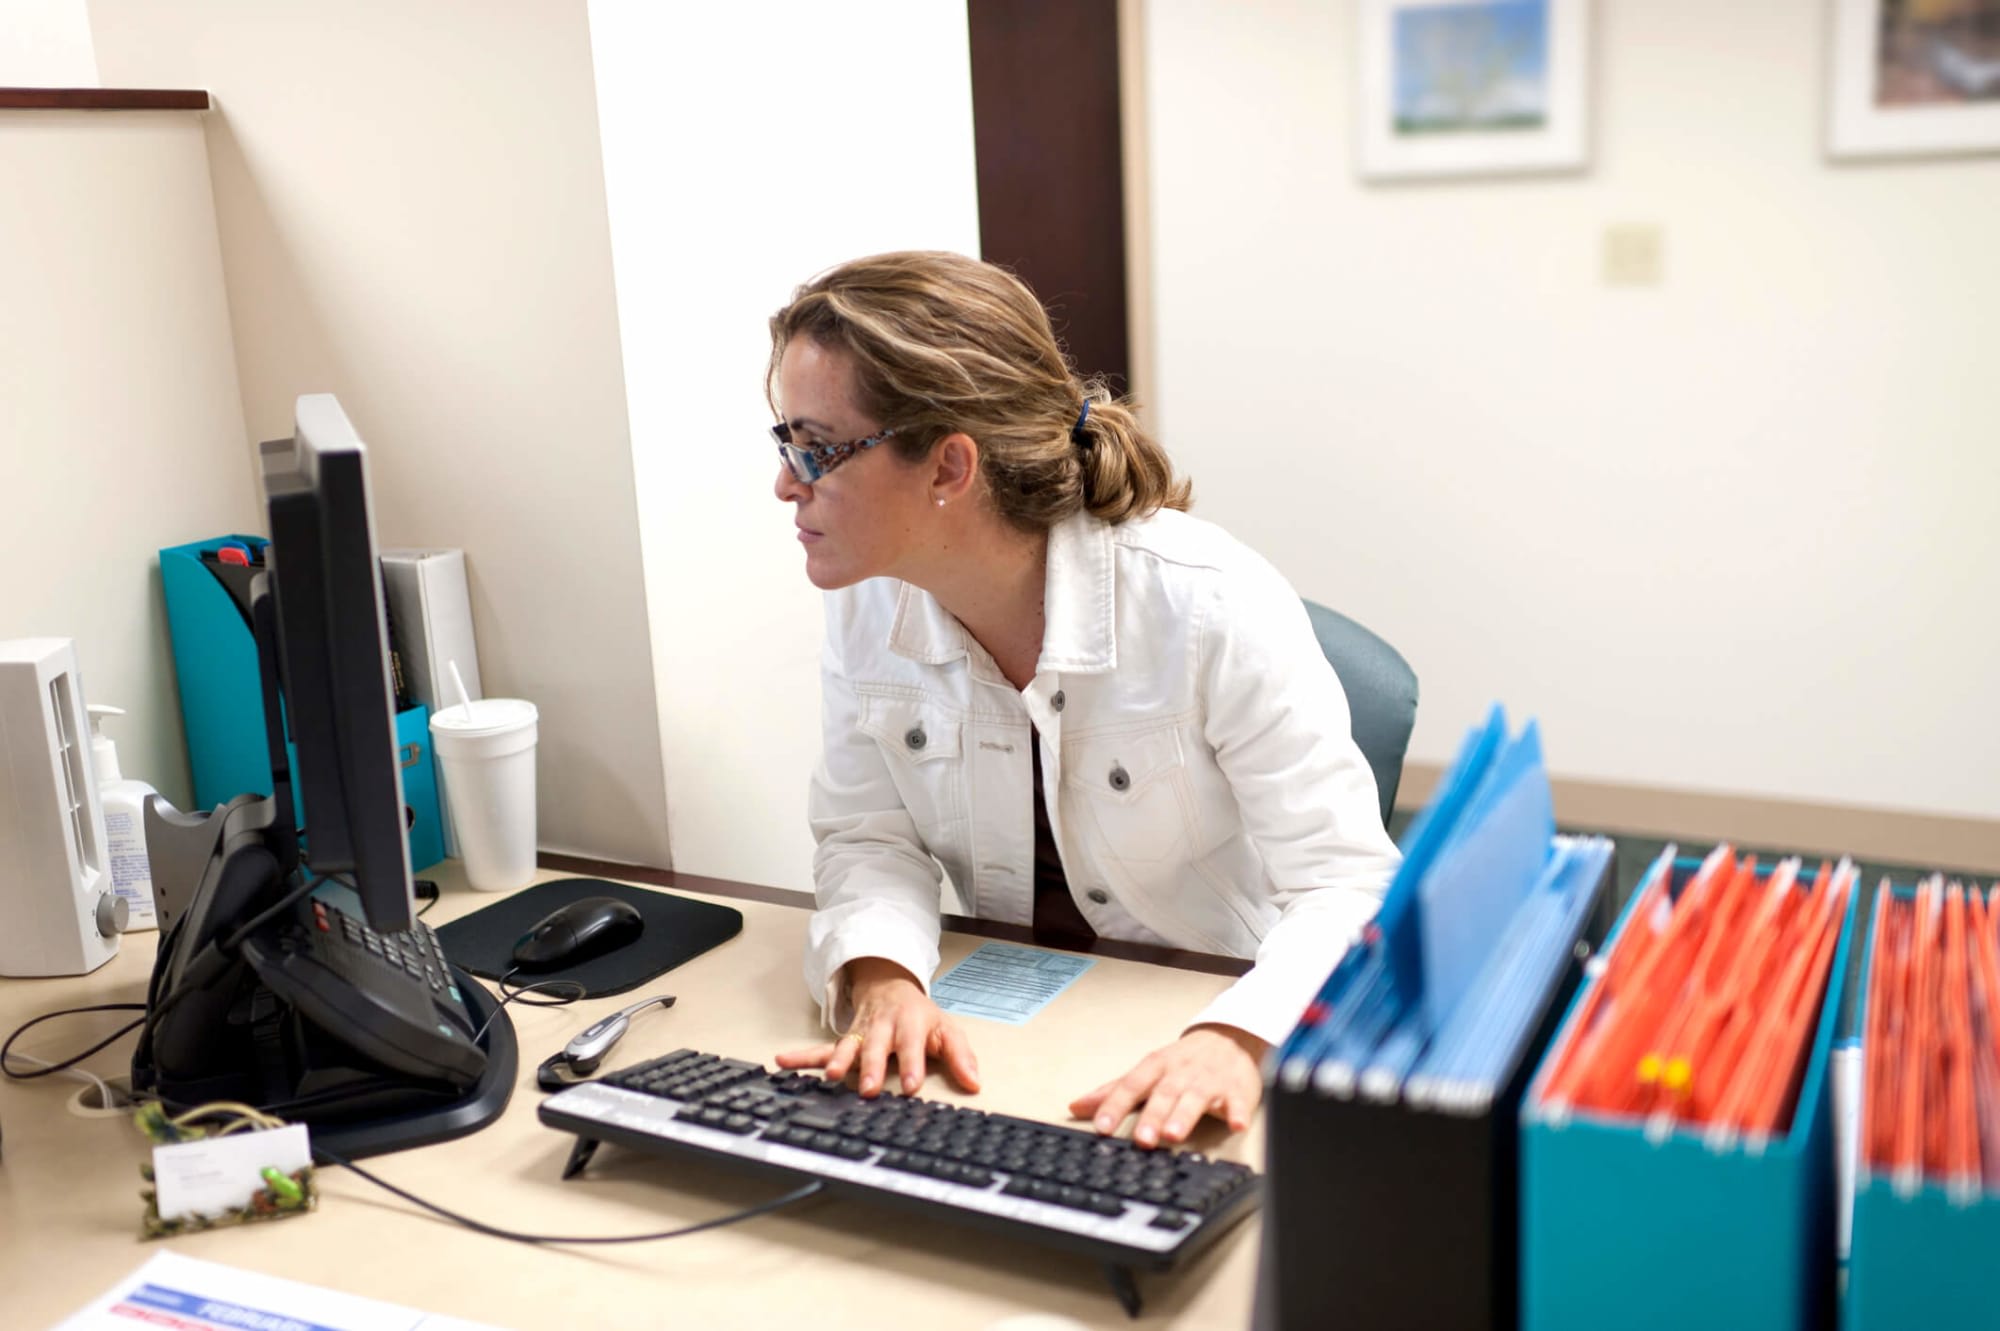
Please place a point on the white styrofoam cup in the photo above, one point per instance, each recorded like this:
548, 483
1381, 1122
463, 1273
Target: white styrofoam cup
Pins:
486, 754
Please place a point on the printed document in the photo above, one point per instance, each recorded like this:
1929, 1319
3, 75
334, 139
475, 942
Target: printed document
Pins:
186, 1294
1001, 982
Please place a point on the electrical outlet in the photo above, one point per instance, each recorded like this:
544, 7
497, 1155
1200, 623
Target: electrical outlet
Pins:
1632, 256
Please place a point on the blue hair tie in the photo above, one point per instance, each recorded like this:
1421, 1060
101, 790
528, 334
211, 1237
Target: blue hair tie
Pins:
1076, 431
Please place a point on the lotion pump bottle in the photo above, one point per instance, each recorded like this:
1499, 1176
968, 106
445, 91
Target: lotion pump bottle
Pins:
124, 823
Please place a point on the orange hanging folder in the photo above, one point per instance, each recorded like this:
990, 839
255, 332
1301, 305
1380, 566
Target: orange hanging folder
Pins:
1906, 1158
1772, 1000
1651, 916
1875, 1120
1717, 1061
1715, 987
1959, 1156
1654, 989
1774, 1082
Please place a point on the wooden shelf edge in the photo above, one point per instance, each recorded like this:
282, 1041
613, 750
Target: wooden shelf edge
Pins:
103, 99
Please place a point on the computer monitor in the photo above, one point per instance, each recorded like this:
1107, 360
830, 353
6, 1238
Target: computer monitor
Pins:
333, 659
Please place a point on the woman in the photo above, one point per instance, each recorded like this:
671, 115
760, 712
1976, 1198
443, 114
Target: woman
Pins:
1101, 716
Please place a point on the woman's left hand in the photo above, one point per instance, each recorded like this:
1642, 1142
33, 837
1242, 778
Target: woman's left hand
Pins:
1209, 1070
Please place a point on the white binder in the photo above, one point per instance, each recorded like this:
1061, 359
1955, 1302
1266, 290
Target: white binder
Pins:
432, 607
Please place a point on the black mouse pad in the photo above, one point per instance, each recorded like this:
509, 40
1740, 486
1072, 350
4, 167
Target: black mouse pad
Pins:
677, 930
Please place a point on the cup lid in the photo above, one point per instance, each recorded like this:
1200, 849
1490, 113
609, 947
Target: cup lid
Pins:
484, 716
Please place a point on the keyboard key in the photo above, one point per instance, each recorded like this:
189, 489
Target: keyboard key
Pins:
819, 1120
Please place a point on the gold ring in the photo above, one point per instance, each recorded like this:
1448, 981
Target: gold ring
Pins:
852, 1035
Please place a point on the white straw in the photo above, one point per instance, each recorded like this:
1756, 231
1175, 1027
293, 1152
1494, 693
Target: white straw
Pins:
458, 686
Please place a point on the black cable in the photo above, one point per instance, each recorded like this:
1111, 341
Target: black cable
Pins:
509, 995
800, 1194
283, 904
51, 1069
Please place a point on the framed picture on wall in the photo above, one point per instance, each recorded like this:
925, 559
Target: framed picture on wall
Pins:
1915, 77
1472, 87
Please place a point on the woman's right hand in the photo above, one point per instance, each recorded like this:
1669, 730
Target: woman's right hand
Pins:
892, 1015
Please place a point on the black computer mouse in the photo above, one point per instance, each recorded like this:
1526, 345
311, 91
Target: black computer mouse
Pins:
575, 933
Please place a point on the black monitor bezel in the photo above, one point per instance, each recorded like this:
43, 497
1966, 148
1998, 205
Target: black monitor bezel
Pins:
333, 660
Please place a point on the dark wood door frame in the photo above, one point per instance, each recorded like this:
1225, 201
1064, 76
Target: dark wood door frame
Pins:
1050, 162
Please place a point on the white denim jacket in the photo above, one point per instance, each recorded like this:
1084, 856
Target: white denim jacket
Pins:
1203, 787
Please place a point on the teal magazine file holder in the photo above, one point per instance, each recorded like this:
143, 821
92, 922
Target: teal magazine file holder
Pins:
215, 666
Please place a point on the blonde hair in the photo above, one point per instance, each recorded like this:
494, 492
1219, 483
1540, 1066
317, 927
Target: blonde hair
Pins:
940, 344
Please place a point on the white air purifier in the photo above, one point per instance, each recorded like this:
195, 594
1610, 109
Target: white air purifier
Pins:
58, 914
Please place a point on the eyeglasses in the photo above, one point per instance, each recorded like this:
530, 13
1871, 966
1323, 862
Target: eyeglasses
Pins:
809, 462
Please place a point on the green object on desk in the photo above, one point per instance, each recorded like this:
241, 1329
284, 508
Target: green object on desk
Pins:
284, 1196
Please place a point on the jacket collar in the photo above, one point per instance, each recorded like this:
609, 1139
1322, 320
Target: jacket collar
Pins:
1078, 635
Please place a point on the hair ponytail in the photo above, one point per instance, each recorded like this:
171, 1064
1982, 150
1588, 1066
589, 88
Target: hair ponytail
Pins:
1124, 473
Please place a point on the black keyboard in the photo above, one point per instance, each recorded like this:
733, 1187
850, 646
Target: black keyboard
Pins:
1102, 1197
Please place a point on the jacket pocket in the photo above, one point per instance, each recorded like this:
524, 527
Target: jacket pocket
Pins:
1131, 789
921, 743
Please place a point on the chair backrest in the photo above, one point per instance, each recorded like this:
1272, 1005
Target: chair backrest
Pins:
1381, 694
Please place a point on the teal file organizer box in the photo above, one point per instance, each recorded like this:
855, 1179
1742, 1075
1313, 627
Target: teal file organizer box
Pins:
222, 699
1621, 1229
1920, 1257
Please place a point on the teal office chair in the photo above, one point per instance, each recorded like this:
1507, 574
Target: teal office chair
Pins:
1381, 695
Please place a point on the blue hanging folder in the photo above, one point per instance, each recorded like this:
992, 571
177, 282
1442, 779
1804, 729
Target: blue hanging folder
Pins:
1464, 1066
1491, 860
1469, 860
1370, 986
1427, 837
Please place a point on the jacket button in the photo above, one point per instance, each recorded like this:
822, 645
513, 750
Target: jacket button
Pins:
1057, 701
1120, 778
916, 739
1098, 896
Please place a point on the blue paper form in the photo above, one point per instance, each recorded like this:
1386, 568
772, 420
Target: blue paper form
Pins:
1001, 982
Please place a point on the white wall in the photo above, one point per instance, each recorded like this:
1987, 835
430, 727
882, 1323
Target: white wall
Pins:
46, 44
745, 150
411, 207
1733, 533
121, 429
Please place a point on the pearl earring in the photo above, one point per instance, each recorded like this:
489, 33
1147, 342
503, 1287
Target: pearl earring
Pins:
940, 503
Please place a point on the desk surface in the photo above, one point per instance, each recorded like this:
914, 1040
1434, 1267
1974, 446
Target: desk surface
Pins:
69, 1182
